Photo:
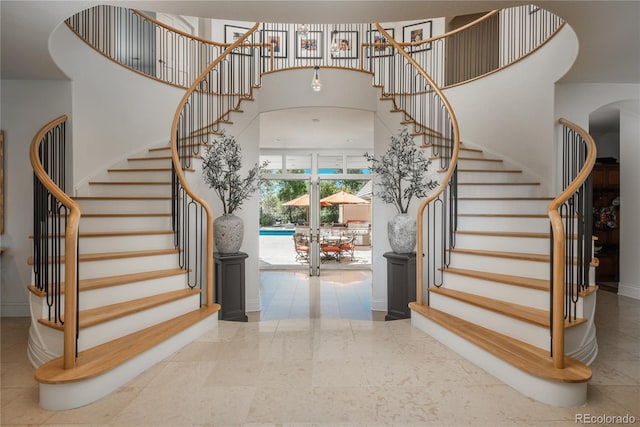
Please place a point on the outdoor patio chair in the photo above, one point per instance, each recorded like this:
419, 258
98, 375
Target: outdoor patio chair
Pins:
347, 246
330, 248
301, 244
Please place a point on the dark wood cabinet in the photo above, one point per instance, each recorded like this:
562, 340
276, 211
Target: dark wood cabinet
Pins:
606, 220
229, 284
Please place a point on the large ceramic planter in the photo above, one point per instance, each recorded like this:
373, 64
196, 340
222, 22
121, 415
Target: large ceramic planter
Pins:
228, 232
401, 231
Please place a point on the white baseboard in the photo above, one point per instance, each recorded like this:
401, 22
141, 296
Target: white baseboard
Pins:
629, 290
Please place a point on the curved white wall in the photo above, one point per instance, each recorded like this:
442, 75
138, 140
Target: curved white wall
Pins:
511, 112
116, 112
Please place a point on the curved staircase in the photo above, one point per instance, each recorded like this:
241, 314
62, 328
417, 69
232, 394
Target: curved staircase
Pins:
135, 306
493, 304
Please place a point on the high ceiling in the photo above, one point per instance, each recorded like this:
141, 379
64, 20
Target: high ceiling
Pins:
608, 34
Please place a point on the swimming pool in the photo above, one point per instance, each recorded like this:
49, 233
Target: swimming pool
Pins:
277, 231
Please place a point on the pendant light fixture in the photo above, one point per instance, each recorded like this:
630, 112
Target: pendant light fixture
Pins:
335, 43
316, 84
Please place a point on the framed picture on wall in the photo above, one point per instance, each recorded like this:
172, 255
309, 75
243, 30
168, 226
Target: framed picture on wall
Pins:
309, 45
415, 33
279, 42
233, 33
346, 43
374, 36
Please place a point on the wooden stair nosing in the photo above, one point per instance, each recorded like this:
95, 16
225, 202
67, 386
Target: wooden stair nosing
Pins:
515, 234
499, 183
486, 170
507, 198
479, 159
524, 356
105, 357
130, 183
122, 279
521, 281
128, 215
517, 311
139, 170
98, 315
128, 198
499, 254
98, 234
503, 215
104, 256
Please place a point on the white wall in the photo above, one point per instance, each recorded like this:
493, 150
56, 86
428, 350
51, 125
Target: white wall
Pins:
629, 284
510, 112
576, 102
116, 112
27, 105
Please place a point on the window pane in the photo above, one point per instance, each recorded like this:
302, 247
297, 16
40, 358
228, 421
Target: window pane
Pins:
357, 164
330, 164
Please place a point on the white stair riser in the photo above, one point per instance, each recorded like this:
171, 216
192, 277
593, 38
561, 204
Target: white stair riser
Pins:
145, 176
155, 190
504, 244
114, 267
498, 190
126, 223
494, 223
493, 176
108, 331
164, 152
514, 328
501, 291
93, 206
468, 162
129, 291
532, 207
149, 162
90, 245
515, 267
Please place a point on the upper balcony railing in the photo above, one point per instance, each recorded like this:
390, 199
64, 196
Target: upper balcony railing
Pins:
147, 46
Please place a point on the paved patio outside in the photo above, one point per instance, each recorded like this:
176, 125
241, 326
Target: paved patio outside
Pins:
278, 252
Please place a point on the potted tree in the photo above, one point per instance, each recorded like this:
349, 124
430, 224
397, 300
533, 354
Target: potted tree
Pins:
221, 166
401, 174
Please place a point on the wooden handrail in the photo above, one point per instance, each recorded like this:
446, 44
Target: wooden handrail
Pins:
70, 241
446, 177
559, 237
178, 167
175, 30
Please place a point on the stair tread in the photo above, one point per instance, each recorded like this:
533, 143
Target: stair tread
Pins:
121, 279
126, 215
105, 357
505, 198
95, 316
130, 183
475, 150
503, 254
532, 315
111, 198
520, 234
481, 159
102, 256
524, 356
526, 282
139, 170
505, 215
498, 183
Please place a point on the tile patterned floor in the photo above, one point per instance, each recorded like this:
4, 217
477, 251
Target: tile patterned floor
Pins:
328, 368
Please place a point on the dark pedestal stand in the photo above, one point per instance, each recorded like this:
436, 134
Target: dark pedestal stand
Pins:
401, 284
229, 282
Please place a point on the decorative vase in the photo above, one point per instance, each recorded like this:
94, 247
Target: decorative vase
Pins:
401, 231
228, 232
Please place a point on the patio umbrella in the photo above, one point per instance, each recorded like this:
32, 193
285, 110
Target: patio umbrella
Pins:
342, 198
303, 201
